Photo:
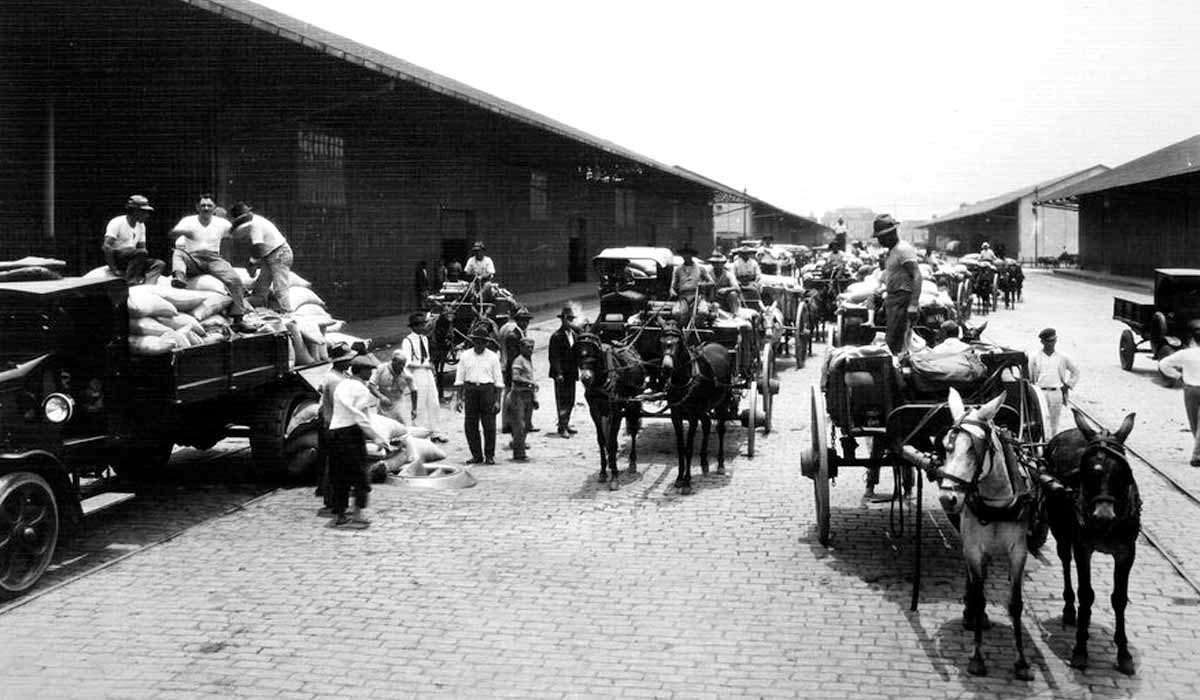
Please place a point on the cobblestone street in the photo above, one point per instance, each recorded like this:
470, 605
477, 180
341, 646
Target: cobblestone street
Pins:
539, 582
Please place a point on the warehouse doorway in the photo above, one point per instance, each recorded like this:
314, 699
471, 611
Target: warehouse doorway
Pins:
577, 253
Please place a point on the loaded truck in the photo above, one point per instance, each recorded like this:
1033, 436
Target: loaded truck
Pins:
75, 403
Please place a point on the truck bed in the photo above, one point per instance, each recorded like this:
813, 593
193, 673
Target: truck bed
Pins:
1131, 313
208, 371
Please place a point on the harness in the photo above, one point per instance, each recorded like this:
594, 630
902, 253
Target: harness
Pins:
1015, 461
1084, 507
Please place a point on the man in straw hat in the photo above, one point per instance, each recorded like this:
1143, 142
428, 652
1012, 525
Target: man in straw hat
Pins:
723, 277
685, 285
479, 265
419, 362
746, 269
124, 244
564, 369
479, 380
902, 282
270, 251
340, 355
349, 429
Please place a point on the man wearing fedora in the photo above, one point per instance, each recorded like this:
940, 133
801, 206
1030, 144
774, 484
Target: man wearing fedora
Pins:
124, 244
479, 380
564, 369
685, 285
902, 282
510, 351
479, 266
270, 251
723, 278
415, 346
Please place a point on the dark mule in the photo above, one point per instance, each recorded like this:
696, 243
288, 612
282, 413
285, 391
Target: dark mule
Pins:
1093, 505
612, 377
698, 389
984, 288
985, 482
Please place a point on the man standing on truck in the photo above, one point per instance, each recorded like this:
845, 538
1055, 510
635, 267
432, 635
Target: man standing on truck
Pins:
125, 244
198, 252
349, 429
902, 282
270, 251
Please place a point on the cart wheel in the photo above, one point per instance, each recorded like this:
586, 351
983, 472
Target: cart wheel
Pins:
28, 531
1127, 349
751, 418
1042, 411
820, 454
964, 299
768, 391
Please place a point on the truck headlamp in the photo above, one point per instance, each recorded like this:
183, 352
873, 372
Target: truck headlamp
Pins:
58, 408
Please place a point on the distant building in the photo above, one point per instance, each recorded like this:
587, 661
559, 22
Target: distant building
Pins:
858, 221
740, 216
1013, 223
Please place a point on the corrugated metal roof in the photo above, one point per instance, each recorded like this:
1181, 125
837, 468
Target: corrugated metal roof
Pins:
990, 205
305, 34
1177, 159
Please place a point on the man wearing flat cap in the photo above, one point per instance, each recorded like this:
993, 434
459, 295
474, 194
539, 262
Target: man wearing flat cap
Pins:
419, 362
479, 381
1185, 365
479, 266
1054, 373
521, 398
685, 285
349, 429
902, 282
270, 252
510, 351
124, 244
564, 369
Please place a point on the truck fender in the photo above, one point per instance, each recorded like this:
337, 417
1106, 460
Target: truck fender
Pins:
49, 467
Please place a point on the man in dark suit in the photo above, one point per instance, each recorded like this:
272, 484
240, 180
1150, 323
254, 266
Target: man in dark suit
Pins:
564, 371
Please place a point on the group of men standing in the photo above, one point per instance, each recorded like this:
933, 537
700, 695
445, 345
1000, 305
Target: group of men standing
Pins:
197, 251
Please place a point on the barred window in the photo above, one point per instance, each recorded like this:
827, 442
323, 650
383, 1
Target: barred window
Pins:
320, 169
539, 197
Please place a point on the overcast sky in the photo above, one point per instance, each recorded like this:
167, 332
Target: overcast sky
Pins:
905, 107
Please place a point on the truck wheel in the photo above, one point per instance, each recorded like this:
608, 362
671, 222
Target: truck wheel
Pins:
139, 460
28, 531
278, 430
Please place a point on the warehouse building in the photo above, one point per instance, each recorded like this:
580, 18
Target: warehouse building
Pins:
369, 164
1015, 223
1140, 215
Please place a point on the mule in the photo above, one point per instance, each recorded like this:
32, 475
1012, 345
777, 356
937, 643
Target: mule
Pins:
985, 483
697, 383
984, 289
1094, 507
611, 377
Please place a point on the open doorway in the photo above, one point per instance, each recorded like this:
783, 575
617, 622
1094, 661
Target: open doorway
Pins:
577, 253
456, 229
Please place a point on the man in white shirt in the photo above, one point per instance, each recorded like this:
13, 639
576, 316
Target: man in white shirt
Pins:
686, 281
349, 429
479, 380
393, 384
270, 251
745, 268
198, 252
479, 266
1185, 365
1054, 373
124, 244
420, 363
986, 254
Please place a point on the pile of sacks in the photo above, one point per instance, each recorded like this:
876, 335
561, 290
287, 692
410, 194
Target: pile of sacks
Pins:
861, 292
163, 318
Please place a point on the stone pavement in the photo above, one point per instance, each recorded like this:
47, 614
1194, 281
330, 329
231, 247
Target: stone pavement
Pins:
1144, 284
539, 582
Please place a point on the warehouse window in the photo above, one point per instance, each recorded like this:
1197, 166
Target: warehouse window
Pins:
320, 170
624, 213
539, 197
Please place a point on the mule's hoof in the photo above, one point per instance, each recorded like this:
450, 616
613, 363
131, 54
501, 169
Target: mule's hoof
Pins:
603, 477
1068, 617
977, 667
632, 468
704, 469
686, 490
1125, 664
679, 483
613, 485
720, 469
1079, 660
1022, 672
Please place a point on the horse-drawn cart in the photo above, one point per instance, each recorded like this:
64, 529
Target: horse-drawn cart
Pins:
903, 414
1161, 325
458, 308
